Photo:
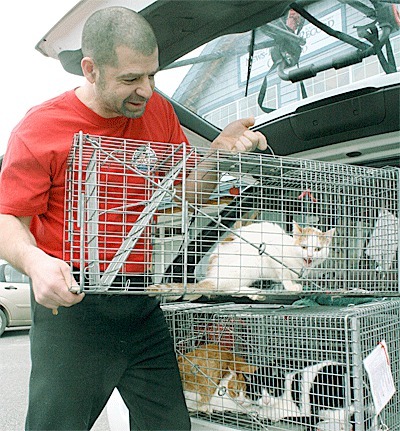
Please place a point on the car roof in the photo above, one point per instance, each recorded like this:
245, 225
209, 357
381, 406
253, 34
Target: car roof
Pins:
355, 121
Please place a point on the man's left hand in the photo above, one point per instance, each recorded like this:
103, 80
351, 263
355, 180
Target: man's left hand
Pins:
238, 138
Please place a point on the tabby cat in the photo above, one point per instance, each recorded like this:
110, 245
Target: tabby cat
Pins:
202, 371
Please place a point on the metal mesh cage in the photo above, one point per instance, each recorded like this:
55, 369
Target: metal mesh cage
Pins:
114, 190
271, 226
271, 367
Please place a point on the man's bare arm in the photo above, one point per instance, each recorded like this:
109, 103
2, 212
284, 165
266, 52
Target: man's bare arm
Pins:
51, 277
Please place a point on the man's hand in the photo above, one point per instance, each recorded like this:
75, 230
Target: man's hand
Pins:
53, 284
238, 138
52, 281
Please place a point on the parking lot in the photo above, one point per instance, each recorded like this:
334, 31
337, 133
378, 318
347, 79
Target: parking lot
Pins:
14, 377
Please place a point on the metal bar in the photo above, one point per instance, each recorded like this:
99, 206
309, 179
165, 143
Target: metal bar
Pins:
136, 231
92, 205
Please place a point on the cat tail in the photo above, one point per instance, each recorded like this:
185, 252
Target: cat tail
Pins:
175, 291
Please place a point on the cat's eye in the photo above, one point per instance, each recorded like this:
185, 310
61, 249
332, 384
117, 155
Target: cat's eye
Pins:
318, 248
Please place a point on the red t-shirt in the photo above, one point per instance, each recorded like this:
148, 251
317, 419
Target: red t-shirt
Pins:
32, 181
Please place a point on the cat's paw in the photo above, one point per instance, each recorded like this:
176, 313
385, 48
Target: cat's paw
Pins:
294, 287
206, 408
191, 297
171, 298
162, 289
258, 297
154, 289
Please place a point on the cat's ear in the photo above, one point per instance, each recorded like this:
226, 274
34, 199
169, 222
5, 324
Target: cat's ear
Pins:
243, 367
329, 234
251, 369
297, 230
237, 225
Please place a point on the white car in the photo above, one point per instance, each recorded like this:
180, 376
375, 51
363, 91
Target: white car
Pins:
14, 298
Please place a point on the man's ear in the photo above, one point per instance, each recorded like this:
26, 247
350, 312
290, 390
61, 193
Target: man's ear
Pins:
89, 69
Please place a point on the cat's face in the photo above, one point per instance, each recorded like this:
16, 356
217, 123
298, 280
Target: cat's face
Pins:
236, 385
202, 369
314, 244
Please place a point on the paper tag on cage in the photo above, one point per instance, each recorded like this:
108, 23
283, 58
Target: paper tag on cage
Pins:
144, 159
377, 366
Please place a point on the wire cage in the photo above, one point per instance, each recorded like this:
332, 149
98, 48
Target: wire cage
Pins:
114, 189
271, 367
271, 225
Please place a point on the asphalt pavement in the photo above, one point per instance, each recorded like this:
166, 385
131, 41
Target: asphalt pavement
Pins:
14, 378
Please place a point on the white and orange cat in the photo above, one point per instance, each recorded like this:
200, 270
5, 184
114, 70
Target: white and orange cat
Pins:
213, 378
257, 251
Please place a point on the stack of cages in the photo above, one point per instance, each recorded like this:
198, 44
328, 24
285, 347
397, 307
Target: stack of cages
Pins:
271, 367
187, 224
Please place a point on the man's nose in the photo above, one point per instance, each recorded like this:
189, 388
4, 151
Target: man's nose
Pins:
145, 88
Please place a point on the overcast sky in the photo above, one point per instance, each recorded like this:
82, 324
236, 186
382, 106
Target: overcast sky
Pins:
28, 77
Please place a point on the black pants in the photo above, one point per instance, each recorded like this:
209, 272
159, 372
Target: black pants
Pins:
83, 353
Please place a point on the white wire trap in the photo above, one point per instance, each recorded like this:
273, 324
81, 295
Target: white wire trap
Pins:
262, 367
277, 225
271, 226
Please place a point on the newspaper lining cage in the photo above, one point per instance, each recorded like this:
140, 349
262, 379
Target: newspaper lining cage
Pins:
273, 225
271, 367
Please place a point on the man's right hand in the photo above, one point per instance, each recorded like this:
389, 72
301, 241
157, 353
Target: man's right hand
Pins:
53, 283
51, 277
